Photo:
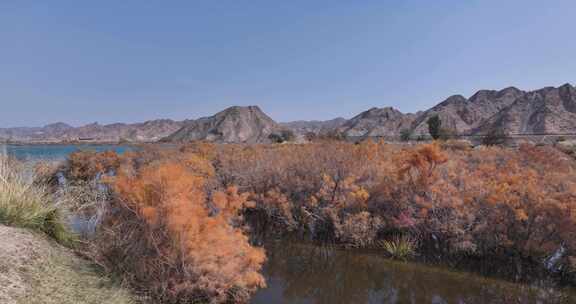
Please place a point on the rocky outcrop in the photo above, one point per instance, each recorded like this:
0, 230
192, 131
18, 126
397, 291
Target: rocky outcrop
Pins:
545, 111
462, 115
377, 122
233, 125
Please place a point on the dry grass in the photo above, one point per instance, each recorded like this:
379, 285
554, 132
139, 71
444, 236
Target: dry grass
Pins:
34, 270
27, 204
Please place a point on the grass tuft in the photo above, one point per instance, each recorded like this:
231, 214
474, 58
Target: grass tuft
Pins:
26, 204
400, 248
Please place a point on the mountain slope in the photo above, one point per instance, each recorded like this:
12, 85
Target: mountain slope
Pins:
377, 122
233, 125
546, 111
462, 115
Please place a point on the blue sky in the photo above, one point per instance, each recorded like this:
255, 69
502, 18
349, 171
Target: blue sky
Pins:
110, 61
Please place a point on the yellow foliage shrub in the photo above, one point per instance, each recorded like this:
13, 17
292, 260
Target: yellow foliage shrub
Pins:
188, 248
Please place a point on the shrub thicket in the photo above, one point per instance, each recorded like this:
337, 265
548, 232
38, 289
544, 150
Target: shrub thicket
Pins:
487, 202
490, 201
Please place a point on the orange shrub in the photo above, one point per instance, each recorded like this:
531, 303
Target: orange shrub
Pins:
169, 238
88, 165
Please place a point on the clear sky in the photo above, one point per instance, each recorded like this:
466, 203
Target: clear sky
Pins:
133, 60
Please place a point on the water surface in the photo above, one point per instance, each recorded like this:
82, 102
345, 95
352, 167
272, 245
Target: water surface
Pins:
55, 152
299, 273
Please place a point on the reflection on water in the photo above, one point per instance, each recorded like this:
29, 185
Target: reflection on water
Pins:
299, 273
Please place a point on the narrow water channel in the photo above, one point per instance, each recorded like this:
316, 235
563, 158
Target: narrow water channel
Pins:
299, 273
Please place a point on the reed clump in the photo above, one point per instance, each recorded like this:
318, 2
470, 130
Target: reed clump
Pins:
400, 247
25, 203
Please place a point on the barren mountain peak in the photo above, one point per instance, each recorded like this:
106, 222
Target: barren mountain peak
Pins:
236, 124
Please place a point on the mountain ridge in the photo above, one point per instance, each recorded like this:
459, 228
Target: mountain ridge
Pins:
512, 110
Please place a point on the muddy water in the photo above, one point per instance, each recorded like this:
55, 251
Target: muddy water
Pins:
299, 273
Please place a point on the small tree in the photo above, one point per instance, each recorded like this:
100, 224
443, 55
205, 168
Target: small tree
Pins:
434, 126
276, 138
405, 135
283, 136
288, 135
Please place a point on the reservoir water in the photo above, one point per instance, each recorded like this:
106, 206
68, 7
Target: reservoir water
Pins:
303, 274
54, 152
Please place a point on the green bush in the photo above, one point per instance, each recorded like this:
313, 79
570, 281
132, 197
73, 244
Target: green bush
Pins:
434, 126
283, 136
405, 135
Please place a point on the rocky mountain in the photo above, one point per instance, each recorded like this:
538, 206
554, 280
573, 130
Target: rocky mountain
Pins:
233, 125
139, 132
546, 111
57, 128
463, 115
314, 126
377, 122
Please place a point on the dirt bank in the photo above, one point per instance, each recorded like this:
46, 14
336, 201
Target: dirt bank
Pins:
34, 269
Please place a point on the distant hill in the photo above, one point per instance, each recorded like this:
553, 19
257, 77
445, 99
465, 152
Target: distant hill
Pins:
377, 122
233, 125
549, 110
314, 126
149, 131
